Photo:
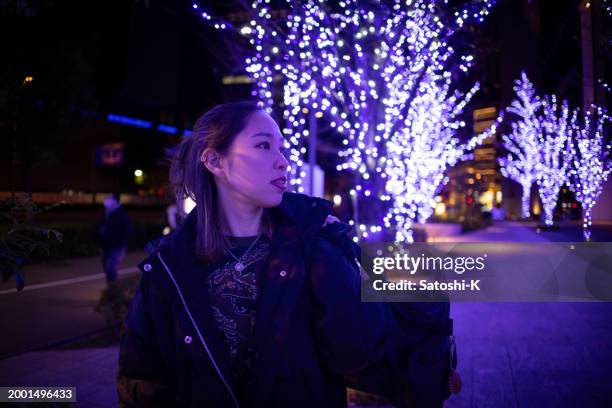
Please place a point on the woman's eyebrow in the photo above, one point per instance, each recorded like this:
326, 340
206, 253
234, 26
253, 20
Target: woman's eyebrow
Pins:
266, 134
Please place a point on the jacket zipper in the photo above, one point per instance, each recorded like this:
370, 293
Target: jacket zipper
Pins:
195, 326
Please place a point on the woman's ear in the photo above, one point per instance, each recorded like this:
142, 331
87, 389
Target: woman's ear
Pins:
212, 160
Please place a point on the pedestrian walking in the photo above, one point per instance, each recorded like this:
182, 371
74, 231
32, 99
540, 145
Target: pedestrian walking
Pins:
255, 300
112, 235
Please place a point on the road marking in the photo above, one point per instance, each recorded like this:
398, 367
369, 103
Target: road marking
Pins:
125, 271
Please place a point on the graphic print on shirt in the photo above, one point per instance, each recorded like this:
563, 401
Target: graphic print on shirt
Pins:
234, 300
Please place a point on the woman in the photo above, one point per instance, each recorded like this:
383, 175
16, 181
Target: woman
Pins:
254, 300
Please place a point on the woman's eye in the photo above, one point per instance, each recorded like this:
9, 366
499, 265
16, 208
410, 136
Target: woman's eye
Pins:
264, 145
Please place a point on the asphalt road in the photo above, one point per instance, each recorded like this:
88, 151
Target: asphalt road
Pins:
57, 303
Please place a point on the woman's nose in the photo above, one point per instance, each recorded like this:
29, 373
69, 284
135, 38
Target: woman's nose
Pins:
281, 161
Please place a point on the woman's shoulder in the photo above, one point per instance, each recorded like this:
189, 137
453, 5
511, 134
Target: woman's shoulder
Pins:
333, 244
335, 235
334, 268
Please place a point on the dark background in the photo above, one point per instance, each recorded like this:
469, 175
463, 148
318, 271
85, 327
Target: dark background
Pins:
157, 61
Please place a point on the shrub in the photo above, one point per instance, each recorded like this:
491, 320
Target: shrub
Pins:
20, 239
114, 302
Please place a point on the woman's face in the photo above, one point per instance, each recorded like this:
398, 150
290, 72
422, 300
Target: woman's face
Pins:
254, 170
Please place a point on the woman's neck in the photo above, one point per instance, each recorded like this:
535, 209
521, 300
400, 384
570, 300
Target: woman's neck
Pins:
241, 220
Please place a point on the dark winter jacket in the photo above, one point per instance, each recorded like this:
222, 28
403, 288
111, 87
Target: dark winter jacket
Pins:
313, 334
115, 231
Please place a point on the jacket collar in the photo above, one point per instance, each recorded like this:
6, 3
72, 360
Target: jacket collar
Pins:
295, 210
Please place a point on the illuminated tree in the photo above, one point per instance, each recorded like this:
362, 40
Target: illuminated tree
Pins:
555, 154
383, 75
521, 163
590, 166
419, 155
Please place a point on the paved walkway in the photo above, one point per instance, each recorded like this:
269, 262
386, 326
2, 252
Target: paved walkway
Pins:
505, 231
534, 354
90, 370
510, 354
531, 354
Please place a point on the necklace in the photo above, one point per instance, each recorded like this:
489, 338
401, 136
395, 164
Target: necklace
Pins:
239, 266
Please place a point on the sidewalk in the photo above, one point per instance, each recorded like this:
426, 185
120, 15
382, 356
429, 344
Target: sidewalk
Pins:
510, 355
503, 231
92, 371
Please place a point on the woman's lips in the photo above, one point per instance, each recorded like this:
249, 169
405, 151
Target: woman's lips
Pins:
280, 183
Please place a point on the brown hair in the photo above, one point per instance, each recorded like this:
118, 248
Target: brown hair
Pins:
216, 129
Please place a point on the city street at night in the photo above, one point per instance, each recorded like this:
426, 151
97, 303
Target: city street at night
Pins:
306, 203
